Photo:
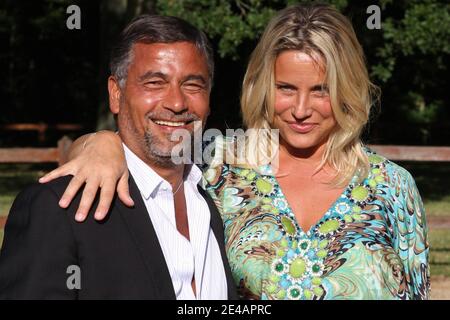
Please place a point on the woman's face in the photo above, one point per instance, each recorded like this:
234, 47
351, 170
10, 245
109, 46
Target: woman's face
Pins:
302, 104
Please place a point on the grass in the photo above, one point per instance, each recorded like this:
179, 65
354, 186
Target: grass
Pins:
440, 252
437, 208
14, 178
5, 204
434, 186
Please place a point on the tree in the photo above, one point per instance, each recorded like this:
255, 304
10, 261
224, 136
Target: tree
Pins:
53, 74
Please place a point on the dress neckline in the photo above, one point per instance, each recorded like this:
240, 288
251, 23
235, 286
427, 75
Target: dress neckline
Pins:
267, 170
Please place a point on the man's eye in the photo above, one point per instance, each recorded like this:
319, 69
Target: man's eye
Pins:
194, 86
155, 83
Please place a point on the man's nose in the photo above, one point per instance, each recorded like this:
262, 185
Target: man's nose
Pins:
175, 100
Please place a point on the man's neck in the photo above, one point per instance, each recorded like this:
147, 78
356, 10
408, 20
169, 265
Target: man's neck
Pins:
172, 174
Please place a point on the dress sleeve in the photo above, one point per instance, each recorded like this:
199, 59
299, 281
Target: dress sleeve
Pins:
414, 239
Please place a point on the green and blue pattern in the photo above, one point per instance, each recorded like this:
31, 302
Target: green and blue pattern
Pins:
370, 244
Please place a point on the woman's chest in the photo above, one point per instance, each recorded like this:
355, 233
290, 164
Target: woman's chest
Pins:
308, 199
337, 258
348, 252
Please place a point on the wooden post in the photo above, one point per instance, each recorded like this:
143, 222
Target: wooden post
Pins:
42, 128
63, 149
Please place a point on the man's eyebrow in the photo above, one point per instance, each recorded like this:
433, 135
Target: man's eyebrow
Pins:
196, 77
152, 74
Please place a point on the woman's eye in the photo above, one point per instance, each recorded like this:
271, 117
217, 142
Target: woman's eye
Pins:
321, 93
285, 88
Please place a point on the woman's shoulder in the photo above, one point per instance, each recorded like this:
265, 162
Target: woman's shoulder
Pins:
402, 197
378, 161
390, 173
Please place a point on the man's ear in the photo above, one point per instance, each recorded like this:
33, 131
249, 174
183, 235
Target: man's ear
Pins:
114, 95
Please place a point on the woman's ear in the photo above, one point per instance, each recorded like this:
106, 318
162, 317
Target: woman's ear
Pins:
114, 94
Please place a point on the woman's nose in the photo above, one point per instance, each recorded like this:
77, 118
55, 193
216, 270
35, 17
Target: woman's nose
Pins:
301, 108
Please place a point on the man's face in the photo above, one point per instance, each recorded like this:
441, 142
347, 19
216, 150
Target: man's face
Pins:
167, 88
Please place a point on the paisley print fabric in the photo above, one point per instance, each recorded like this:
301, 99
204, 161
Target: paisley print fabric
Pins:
370, 244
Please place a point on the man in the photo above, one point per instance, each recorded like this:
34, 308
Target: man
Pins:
170, 244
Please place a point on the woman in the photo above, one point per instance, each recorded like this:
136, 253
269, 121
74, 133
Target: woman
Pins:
336, 221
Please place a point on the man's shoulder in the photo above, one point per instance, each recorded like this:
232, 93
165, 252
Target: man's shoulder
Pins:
37, 206
41, 196
56, 186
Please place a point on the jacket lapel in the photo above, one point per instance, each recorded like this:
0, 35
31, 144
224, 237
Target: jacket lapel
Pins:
141, 228
217, 228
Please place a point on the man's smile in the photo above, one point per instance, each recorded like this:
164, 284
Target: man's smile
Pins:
171, 123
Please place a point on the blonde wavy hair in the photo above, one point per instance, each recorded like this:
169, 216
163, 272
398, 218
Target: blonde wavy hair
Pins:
317, 30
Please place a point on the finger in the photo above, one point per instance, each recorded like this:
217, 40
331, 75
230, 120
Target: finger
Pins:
52, 175
87, 198
106, 196
72, 188
123, 190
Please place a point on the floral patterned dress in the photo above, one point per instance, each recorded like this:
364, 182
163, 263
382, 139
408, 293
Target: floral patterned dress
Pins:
370, 244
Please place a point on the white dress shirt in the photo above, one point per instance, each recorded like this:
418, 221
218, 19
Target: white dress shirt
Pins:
199, 257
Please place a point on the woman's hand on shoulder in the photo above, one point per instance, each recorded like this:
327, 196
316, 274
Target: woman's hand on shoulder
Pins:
96, 161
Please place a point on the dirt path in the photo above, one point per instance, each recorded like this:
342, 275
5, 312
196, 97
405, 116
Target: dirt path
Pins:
440, 288
438, 222
2, 222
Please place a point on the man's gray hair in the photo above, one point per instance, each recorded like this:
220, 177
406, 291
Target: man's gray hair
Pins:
156, 29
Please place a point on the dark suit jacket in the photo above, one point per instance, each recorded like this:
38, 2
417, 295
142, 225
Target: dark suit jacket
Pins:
119, 258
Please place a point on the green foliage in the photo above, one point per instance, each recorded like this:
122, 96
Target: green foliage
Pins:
424, 29
412, 62
231, 22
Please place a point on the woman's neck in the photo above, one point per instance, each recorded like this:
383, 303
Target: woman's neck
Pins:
302, 162
312, 155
